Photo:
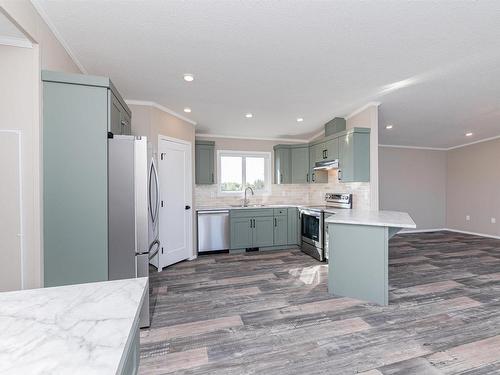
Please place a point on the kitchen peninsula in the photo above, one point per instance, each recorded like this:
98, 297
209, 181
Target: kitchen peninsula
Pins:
77, 329
359, 252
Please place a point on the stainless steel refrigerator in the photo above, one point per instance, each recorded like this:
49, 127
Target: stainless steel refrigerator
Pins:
132, 211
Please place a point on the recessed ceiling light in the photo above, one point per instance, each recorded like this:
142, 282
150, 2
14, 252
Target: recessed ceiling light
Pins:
300, 119
388, 126
248, 115
468, 134
187, 110
188, 77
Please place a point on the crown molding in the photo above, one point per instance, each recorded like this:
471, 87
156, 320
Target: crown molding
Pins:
290, 140
39, 8
442, 148
159, 107
474, 142
361, 109
414, 147
15, 42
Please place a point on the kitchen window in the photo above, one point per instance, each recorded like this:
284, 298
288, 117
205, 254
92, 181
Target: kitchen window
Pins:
241, 169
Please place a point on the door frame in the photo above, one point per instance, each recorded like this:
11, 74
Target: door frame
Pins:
190, 187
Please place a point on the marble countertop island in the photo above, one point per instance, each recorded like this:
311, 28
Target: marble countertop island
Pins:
358, 249
376, 218
76, 329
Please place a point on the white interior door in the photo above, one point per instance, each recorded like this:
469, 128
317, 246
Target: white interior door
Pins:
176, 211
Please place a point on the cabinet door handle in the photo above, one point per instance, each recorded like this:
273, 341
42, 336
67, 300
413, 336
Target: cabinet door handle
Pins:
307, 177
326, 154
212, 177
275, 222
251, 226
313, 177
339, 175
281, 177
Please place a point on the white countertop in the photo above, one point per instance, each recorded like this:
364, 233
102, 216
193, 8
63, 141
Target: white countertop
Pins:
75, 329
375, 218
236, 207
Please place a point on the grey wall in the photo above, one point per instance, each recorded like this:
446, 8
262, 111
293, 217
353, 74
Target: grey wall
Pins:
414, 181
473, 188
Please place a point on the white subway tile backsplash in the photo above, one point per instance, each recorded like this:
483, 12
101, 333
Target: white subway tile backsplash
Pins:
299, 194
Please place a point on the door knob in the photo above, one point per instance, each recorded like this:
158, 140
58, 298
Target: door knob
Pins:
187, 207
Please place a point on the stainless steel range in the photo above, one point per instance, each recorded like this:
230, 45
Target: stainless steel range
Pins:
312, 220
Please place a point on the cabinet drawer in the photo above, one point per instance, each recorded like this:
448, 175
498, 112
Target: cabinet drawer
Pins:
280, 211
250, 212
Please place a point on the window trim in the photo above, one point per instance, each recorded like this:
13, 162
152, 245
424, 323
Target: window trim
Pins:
244, 154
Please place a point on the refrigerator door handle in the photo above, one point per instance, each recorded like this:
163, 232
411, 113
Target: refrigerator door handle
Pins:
154, 211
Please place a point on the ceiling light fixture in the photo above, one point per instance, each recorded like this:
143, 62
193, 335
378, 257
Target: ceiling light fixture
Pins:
248, 115
188, 77
300, 119
468, 134
388, 127
187, 110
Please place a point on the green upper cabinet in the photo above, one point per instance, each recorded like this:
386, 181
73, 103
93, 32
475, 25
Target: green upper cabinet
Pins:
204, 162
291, 164
282, 165
300, 164
316, 153
332, 149
354, 156
119, 121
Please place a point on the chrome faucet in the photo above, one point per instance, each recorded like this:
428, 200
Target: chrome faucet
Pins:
246, 200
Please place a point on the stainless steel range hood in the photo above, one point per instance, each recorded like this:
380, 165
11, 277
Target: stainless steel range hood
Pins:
326, 165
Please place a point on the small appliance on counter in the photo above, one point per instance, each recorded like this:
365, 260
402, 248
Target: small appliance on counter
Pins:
314, 234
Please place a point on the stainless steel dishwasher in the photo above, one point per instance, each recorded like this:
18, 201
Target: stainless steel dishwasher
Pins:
213, 230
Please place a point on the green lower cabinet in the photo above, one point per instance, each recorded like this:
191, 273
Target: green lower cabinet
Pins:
241, 233
263, 232
264, 227
280, 230
293, 226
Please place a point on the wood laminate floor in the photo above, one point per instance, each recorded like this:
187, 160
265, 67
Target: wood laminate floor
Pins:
270, 313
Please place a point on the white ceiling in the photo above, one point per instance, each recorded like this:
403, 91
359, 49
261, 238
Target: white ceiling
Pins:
286, 59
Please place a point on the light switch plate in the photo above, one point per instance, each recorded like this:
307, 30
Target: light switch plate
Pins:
467, 217
493, 220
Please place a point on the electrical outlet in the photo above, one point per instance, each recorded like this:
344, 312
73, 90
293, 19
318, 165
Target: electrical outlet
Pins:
493, 220
467, 217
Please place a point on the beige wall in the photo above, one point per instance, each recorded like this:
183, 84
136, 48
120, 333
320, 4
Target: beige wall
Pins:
53, 56
19, 101
300, 194
414, 181
368, 118
473, 188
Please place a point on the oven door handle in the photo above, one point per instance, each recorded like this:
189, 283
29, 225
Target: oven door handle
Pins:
311, 213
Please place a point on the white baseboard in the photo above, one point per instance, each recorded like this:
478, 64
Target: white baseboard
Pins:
421, 230
449, 230
473, 233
